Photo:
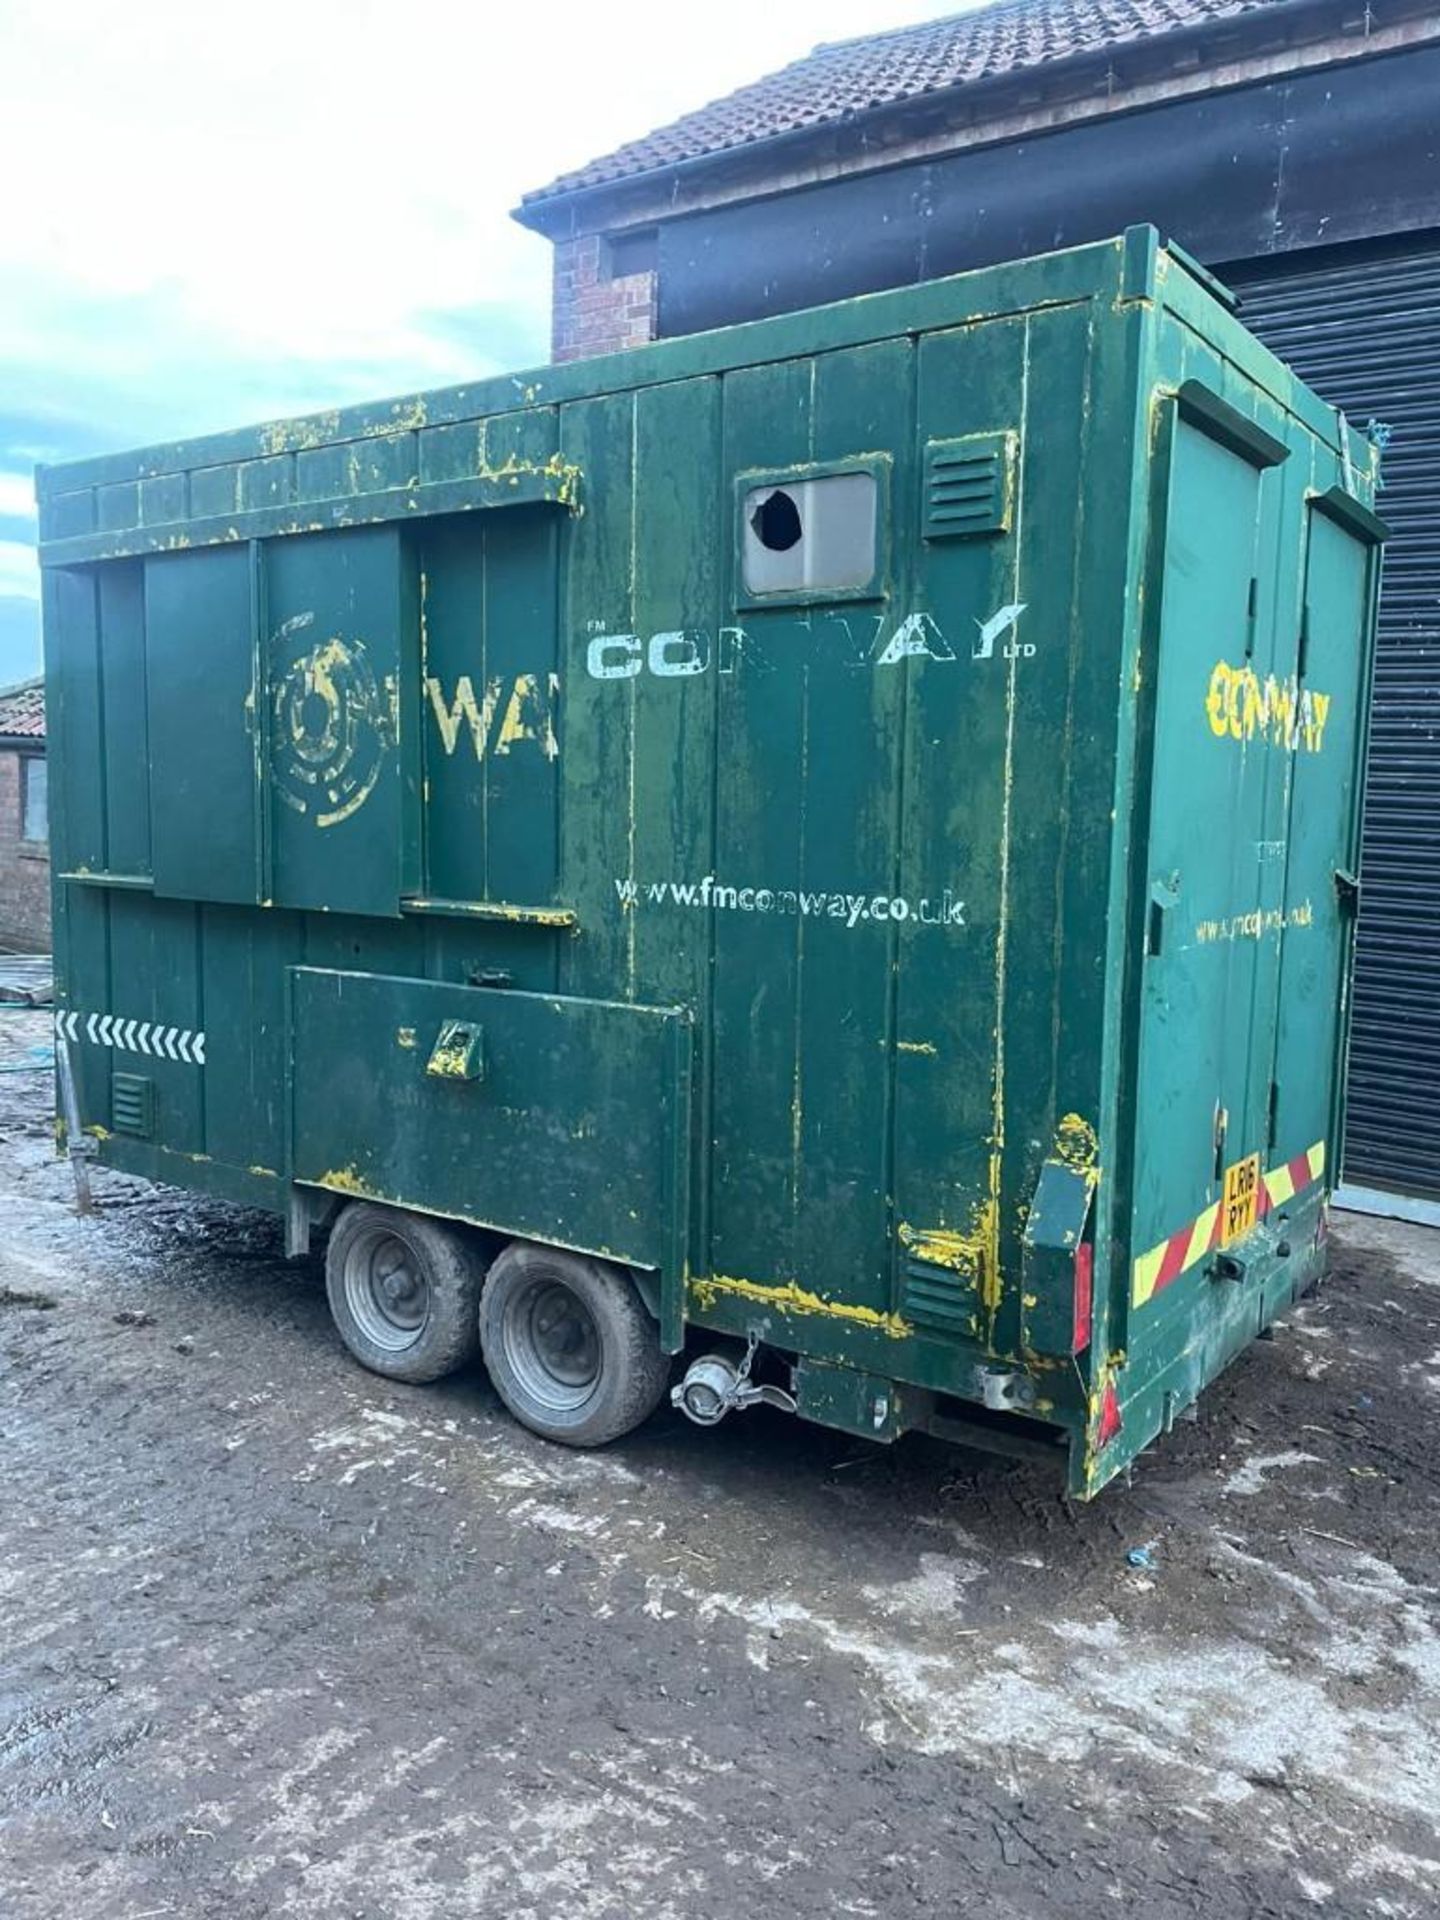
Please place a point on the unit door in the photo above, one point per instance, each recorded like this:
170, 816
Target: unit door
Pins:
1320, 895
490, 718
1362, 325
339, 676
281, 686
1215, 862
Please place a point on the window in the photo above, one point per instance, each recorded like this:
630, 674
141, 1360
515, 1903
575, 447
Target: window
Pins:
637, 251
807, 537
34, 809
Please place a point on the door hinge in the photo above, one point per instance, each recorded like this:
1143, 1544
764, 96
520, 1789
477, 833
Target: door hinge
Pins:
1302, 651
1347, 889
1272, 1113
1252, 607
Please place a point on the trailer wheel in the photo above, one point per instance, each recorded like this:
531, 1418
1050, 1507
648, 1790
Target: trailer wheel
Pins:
569, 1345
404, 1291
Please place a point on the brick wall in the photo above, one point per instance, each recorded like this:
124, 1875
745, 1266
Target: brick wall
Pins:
24, 870
595, 310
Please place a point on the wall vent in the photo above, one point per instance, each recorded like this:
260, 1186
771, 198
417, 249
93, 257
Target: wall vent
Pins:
942, 1297
132, 1104
968, 485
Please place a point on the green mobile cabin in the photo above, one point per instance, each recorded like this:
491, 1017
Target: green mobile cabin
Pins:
828, 847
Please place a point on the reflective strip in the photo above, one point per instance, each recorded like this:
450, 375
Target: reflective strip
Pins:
132, 1036
1189, 1245
1207, 1229
1279, 1187
1282, 1183
1147, 1272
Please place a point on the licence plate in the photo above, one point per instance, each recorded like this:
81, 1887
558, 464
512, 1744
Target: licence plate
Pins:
1240, 1204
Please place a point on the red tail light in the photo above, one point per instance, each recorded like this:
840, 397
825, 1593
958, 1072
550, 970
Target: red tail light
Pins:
1110, 1422
1084, 1293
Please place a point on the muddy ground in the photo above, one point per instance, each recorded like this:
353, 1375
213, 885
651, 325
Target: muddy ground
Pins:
277, 1637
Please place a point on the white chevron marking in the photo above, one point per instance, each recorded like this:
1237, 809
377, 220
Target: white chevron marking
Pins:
133, 1036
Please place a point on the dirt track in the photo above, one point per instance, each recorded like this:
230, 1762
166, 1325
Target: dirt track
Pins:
277, 1637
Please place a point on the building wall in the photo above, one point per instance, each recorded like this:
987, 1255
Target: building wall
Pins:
944, 182
24, 869
595, 308
1297, 158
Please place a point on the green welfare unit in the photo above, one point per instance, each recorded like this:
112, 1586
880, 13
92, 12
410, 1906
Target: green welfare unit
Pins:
828, 846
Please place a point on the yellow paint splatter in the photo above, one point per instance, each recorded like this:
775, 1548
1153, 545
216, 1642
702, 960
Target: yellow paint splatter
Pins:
342, 1180
791, 1298
946, 1247
298, 436
1077, 1146
450, 1056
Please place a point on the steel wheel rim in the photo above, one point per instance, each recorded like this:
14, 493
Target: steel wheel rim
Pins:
551, 1345
386, 1290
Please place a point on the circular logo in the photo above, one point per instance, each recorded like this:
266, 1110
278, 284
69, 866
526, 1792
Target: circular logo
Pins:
330, 724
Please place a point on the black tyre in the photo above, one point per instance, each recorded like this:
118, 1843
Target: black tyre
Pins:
404, 1291
569, 1345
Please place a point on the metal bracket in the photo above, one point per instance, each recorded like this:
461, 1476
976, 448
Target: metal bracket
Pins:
458, 1052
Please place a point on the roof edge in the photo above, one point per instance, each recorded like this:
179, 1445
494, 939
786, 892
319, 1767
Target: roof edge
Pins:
552, 212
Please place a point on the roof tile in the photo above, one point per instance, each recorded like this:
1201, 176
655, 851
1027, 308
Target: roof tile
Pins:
22, 711
850, 77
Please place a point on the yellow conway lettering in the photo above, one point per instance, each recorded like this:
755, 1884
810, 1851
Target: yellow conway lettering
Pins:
1257, 705
527, 716
1215, 703
1240, 706
1287, 719
464, 707
1233, 715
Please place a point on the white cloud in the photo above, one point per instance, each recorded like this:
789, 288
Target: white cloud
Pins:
205, 209
19, 574
17, 496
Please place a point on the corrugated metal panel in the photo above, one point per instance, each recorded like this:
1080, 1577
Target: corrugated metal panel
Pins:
1363, 327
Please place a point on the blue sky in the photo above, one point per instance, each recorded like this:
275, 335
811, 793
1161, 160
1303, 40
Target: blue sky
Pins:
214, 217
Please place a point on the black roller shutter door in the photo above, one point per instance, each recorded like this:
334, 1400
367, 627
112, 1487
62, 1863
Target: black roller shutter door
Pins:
1362, 326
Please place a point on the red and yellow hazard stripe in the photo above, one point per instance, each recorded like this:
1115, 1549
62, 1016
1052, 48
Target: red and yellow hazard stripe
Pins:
1282, 1183
1189, 1245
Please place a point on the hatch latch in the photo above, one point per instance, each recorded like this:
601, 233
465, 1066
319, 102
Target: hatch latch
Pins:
1347, 889
458, 1052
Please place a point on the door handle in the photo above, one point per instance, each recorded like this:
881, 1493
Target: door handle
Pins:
1164, 894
